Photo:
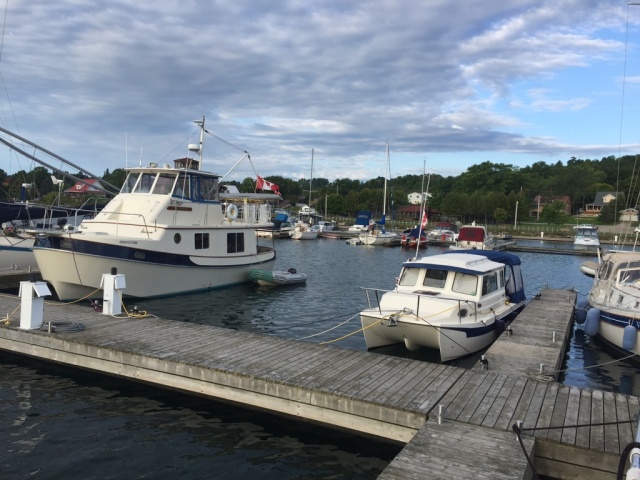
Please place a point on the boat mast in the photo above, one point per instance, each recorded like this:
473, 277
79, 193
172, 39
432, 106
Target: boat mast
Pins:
311, 180
424, 206
384, 199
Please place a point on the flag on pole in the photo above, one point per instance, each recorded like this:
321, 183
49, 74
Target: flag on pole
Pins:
263, 184
424, 219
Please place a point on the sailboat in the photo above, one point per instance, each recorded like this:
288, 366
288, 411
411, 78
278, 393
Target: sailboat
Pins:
381, 236
303, 230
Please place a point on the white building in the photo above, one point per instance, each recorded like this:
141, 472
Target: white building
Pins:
417, 198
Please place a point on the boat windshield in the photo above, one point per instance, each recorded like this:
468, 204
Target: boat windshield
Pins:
164, 184
409, 277
628, 276
130, 182
435, 278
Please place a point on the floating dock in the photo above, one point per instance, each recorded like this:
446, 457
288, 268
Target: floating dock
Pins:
454, 422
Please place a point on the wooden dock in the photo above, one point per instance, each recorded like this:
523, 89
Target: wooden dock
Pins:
551, 250
454, 421
536, 343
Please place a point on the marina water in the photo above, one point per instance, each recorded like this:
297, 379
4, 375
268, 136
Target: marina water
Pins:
58, 422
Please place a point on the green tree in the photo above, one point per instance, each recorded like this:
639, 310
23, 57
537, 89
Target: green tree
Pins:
553, 213
500, 215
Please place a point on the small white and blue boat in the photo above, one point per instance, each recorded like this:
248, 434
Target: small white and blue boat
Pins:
457, 302
613, 304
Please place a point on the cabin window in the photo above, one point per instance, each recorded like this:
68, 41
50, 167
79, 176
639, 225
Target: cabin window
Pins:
202, 241
129, 183
145, 183
164, 183
235, 242
628, 276
489, 283
177, 238
435, 278
409, 277
465, 284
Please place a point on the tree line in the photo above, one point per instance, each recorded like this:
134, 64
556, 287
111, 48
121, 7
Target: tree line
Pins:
487, 192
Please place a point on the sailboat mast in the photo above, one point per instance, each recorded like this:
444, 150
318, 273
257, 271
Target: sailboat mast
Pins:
384, 199
311, 179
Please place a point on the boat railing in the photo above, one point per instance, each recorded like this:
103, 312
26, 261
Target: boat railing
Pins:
458, 305
117, 214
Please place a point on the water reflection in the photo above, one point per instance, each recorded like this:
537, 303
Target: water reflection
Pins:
58, 424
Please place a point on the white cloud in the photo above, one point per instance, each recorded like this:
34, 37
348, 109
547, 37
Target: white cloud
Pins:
95, 82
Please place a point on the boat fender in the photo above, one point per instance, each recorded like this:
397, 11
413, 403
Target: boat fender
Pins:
581, 311
499, 327
232, 211
629, 337
292, 271
593, 322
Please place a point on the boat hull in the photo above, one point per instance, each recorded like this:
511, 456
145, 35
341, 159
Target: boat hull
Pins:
451, 340
75, 275
611, 329
17, 252
380, 239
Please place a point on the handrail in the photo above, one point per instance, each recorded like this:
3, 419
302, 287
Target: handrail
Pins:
144, 220
460, 302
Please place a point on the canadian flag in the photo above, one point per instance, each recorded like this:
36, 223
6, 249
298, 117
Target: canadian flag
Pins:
263, 184
424, 219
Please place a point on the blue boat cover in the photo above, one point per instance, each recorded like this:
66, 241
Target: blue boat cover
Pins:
363, 217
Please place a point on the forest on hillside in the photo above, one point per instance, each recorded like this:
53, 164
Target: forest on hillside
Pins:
487, 192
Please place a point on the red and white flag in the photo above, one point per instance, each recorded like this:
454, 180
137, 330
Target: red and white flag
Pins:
424, 219
263, 184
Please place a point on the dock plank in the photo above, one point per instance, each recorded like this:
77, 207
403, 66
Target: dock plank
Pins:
611, 436
386, 396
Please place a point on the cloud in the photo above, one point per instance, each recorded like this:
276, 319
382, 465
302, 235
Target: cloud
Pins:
105, 83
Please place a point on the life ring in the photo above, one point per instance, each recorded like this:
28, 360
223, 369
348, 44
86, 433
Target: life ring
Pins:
232, 211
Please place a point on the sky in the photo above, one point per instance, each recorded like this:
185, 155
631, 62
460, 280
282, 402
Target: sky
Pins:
446, 85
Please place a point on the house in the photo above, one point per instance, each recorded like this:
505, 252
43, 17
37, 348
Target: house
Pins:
602, 198
539, 203
82, 189
629, 215
413, 213
417, 198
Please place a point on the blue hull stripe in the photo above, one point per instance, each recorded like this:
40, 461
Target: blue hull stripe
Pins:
618, 320
478, 332
119, 252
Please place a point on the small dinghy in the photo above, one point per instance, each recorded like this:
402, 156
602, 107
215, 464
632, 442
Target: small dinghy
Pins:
276, 277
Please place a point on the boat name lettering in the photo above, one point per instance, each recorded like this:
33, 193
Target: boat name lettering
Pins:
128, 242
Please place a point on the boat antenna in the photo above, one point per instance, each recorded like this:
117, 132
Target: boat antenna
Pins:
198, 147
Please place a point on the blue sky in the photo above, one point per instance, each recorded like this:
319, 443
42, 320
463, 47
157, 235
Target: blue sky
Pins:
445, 84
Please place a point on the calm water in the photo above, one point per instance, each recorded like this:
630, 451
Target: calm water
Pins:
61, 423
